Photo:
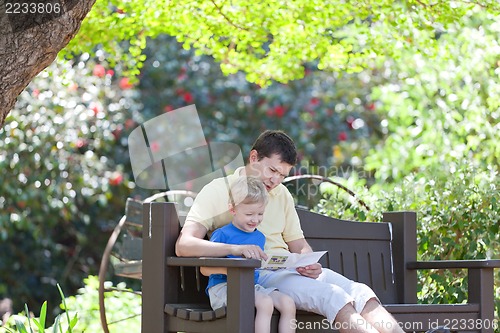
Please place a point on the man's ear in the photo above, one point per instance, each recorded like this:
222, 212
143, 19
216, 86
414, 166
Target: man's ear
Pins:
254, 156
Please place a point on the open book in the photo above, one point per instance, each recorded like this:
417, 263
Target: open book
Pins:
291, 260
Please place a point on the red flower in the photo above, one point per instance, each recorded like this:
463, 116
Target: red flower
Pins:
73, 87
279, 111
36, 92
80, 143
95, 107
168, 108
371, 106
155, 146
342, 136
117, 132
125, 83
110, 72
314, 101
349, 121
99, 71
129, 123
116, 178
188, 98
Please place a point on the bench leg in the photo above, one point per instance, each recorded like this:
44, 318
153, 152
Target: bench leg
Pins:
481, 281
241, 300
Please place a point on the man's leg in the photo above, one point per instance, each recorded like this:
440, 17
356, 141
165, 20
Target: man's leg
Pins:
308, 294
380, 318
350, 321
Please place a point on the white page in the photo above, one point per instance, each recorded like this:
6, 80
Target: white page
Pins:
292, 260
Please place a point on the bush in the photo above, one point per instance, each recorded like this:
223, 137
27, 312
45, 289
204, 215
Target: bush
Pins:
62, 150
123, 308
457, 219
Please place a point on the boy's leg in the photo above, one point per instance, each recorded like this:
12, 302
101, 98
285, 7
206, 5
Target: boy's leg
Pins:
218, 295
286, 306
264, 311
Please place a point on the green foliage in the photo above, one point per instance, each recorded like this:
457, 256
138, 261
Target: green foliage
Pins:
458, 218
123, 308
438, 110
272, 40
63, 151
330, 116
20, 322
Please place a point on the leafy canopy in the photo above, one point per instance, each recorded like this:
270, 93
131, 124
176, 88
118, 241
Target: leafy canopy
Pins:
273, 39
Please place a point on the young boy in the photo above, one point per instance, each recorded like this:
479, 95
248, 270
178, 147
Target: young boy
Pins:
248, 198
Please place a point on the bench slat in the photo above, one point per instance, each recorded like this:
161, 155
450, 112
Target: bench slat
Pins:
194, 312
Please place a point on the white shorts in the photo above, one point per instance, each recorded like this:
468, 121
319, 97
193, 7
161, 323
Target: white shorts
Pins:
218, 294
325, 295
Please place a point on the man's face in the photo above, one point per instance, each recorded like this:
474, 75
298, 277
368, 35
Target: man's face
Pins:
271, 170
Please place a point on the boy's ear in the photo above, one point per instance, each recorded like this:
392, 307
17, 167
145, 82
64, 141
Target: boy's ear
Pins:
231, 209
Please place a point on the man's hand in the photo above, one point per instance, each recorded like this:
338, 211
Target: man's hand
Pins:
249, 251
312, 271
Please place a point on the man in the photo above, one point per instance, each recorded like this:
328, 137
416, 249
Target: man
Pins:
352, 306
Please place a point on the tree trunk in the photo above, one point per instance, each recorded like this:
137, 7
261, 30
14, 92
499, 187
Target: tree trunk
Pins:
30, 42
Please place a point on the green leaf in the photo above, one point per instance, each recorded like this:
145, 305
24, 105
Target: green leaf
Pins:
20, 327
74, 321
28, 316
43, 314
70, 328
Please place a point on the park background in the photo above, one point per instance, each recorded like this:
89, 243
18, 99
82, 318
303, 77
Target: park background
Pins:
416, 128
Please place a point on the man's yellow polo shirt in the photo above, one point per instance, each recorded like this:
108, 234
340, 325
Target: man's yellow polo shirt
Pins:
280, 223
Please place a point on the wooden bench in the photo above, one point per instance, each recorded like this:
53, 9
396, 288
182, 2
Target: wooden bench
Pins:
382, 255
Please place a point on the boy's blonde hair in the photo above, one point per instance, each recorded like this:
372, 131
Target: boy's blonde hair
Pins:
247, 190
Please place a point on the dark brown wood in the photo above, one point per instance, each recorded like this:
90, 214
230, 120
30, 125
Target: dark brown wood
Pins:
404, 250
480, 285
159, 282
382, 255
452, 264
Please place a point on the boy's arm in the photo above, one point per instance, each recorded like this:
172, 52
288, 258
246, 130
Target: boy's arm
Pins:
207, 271
191, 243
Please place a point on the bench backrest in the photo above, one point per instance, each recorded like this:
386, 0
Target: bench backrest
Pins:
361, 251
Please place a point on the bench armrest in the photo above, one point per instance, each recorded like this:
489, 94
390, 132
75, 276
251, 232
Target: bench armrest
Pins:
240, 287
453, 264
213, 262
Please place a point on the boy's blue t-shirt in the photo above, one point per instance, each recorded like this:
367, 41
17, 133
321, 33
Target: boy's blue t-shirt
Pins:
229, 234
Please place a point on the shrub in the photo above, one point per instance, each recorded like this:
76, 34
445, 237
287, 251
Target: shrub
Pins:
458, 218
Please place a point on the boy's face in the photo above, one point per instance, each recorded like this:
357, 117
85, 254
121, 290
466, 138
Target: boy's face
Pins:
247, 217
271, 170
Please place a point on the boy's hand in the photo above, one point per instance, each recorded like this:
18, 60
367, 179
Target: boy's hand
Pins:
312, 271
250, 252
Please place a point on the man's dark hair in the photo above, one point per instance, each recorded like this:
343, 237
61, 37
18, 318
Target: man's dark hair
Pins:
276, 142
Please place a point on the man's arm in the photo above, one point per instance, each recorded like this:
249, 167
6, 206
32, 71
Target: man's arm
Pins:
301, 246
191, 244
